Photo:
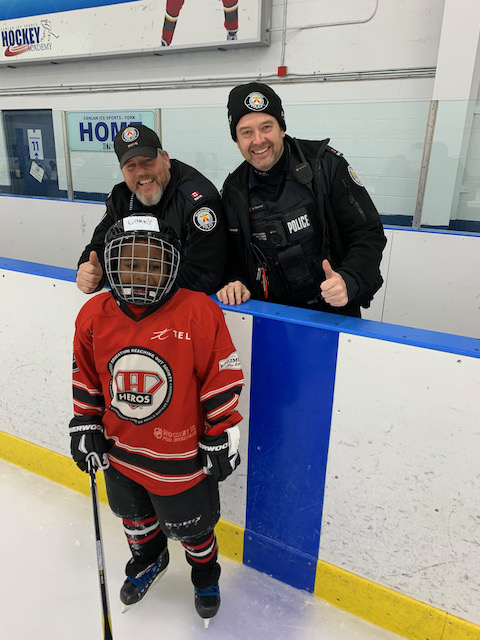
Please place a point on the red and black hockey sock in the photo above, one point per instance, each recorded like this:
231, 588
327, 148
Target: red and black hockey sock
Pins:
172, 11
145, 539
201, 554
230, 9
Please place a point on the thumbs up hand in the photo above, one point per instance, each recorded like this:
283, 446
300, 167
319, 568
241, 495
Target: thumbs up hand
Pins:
333, 288
89, 274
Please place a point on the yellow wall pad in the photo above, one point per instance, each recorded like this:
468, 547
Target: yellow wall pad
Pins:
58, 468
388, 609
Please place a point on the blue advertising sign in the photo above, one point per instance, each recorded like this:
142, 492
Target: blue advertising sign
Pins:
95, 130
27, 8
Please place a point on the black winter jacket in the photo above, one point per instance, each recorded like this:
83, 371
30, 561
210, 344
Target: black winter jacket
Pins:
192, 206
355, 238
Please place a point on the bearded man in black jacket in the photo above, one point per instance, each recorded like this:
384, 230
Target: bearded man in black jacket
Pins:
156, 185
302, 229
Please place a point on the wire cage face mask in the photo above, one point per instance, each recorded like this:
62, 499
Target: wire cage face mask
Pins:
141, 266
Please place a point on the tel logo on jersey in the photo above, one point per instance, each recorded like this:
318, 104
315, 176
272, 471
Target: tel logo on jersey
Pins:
141, 384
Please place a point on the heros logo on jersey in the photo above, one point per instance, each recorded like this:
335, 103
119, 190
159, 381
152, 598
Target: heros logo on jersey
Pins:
205, 219
141, 384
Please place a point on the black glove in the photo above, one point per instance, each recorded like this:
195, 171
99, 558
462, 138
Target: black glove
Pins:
87, 441
219, 454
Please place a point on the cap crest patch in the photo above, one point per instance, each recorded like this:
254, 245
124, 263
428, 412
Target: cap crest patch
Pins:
130, 134
256, 101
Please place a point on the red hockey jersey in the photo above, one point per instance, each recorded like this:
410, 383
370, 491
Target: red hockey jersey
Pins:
156, 384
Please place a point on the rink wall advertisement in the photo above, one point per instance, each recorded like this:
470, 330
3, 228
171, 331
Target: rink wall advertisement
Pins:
96, 28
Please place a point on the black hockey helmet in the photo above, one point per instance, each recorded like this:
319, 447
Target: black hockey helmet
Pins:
142, 256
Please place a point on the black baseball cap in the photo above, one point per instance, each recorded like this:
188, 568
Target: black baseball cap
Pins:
254, 97
136, 140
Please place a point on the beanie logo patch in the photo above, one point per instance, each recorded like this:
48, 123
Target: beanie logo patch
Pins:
130, 134
256, 101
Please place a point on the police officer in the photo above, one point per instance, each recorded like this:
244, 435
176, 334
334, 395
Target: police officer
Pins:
302, 228
172, 191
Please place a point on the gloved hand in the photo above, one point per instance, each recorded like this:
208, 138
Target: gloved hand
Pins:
219, 454
88, 441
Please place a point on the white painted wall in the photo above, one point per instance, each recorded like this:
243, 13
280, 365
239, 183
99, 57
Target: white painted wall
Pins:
402, 472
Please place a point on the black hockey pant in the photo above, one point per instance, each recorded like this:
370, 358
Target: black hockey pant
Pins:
149, 519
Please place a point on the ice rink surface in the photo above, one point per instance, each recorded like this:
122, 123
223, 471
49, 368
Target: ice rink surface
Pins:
50, 588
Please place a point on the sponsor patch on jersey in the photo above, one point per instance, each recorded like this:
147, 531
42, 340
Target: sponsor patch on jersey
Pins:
354, 176
205, 219
232, 362
175, 436
256, 101
130, 134
171, 333
141, 384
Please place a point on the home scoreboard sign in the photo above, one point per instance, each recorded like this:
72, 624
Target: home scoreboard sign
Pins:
95, 130
34, 31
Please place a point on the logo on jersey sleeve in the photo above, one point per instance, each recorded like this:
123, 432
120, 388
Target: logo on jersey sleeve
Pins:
205, 219
232, 362
141, 384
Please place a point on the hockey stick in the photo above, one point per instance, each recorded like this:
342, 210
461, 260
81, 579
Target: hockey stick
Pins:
107, 628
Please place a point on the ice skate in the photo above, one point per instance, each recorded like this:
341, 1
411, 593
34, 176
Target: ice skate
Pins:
207, 602
136, 586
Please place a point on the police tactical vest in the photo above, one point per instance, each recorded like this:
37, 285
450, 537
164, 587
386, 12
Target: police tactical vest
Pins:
287, 241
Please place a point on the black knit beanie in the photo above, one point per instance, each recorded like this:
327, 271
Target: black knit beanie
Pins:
253, 97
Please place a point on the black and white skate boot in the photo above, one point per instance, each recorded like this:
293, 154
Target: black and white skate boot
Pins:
207, 602
139, 581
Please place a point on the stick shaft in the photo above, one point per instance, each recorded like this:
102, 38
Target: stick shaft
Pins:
107, 628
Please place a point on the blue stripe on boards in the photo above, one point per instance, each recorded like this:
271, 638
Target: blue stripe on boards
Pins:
38, 269
28, 8
290, 413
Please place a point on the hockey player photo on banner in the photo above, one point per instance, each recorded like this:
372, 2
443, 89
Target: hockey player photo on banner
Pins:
32, 31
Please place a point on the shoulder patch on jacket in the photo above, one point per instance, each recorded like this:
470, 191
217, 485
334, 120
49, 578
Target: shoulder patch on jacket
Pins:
354, 176
205, 219
192, 192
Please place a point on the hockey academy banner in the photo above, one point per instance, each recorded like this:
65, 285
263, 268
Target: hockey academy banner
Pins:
33, 31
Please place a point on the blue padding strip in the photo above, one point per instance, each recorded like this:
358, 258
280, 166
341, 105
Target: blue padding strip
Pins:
37, 269
288, 436
435, 340
283, 563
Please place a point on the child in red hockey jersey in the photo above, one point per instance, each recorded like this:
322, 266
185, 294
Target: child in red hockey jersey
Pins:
156, 383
